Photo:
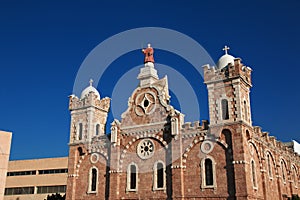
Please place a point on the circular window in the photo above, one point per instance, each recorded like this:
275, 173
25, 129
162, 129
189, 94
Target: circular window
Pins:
207, 147
145, 149
94, 158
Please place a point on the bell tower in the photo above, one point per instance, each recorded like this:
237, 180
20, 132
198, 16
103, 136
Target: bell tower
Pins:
88, 115
228, 86
88, 157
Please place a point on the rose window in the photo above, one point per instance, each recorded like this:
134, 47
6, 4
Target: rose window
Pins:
145, 103
145, 149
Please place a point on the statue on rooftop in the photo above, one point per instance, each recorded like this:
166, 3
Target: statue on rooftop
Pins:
148, 52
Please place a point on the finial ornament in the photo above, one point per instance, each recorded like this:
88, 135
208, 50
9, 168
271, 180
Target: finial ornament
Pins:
226, 48
91, 82
148, 52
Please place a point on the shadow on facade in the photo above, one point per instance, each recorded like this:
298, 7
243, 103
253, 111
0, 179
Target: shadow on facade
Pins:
229, 166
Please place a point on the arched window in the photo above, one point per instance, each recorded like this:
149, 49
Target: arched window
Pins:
97, 129
80, 130
245, 110
282, 171
80, 151
294, 175
225, 110
208, 173
93, 180
269, 165
209, 179
132, 177
159, 176
253, 174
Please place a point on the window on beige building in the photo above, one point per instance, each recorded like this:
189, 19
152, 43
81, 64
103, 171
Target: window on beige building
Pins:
19, 190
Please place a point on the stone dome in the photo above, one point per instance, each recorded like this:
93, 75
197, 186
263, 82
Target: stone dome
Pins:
225, 60
89, 89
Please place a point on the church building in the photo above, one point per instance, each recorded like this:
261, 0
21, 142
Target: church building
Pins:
152, 153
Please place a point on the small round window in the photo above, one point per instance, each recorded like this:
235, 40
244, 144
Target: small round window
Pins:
145, 149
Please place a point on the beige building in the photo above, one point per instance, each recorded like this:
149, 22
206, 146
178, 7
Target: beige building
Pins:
5, 141
35, 179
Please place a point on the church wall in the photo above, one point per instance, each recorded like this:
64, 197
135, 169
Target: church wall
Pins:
195, 173
226, 159
145, 168
79, 180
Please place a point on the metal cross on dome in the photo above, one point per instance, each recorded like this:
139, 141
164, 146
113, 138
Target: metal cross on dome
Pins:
91, 82
226, 48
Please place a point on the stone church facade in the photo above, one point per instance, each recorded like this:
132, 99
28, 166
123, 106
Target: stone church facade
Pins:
152, 153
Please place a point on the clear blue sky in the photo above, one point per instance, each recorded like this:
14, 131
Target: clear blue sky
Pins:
43, 43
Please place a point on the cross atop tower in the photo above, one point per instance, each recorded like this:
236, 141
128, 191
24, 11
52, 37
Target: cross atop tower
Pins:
91, 82
226, 48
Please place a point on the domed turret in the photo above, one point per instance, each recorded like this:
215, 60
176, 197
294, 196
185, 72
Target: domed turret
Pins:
225, 59
89, 89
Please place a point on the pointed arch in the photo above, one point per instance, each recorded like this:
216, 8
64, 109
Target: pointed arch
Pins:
283, 170
269, 165
295, 175
253, 174
256, 150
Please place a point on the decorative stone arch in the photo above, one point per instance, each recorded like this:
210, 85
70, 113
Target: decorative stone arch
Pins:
295, 175
197, 141
189, 148
268, 152
283, 169
81, 160
135, 139
159, 95
101, 152
256, 150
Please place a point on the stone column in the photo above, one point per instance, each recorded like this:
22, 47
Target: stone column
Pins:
177, 169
